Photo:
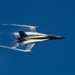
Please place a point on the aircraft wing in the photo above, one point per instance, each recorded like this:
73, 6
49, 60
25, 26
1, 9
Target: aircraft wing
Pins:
29, 47
11, 48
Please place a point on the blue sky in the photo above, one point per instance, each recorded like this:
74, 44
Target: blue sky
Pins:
48, 58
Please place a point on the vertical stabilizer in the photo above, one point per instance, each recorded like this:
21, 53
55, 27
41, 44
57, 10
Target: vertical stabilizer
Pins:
22, 34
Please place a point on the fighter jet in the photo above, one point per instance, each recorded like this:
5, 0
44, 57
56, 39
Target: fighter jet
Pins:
29, 39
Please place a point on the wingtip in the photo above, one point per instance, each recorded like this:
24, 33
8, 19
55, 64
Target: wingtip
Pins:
27, 51
33, 26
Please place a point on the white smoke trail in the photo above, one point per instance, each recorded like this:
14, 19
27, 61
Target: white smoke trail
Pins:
17, 25
11, 48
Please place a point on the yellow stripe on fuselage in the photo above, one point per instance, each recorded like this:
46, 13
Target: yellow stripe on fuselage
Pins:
37, 37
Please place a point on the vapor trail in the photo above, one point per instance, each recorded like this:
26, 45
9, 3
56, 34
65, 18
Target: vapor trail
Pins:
11, 48
17, 25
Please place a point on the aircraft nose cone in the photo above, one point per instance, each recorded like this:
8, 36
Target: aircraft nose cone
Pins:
59, 37
52, 37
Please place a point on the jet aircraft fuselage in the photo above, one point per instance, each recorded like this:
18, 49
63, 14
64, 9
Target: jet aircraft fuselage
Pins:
34, 37
29, 39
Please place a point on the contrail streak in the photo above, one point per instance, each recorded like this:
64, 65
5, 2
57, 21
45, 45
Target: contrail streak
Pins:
17, 25
11, 48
